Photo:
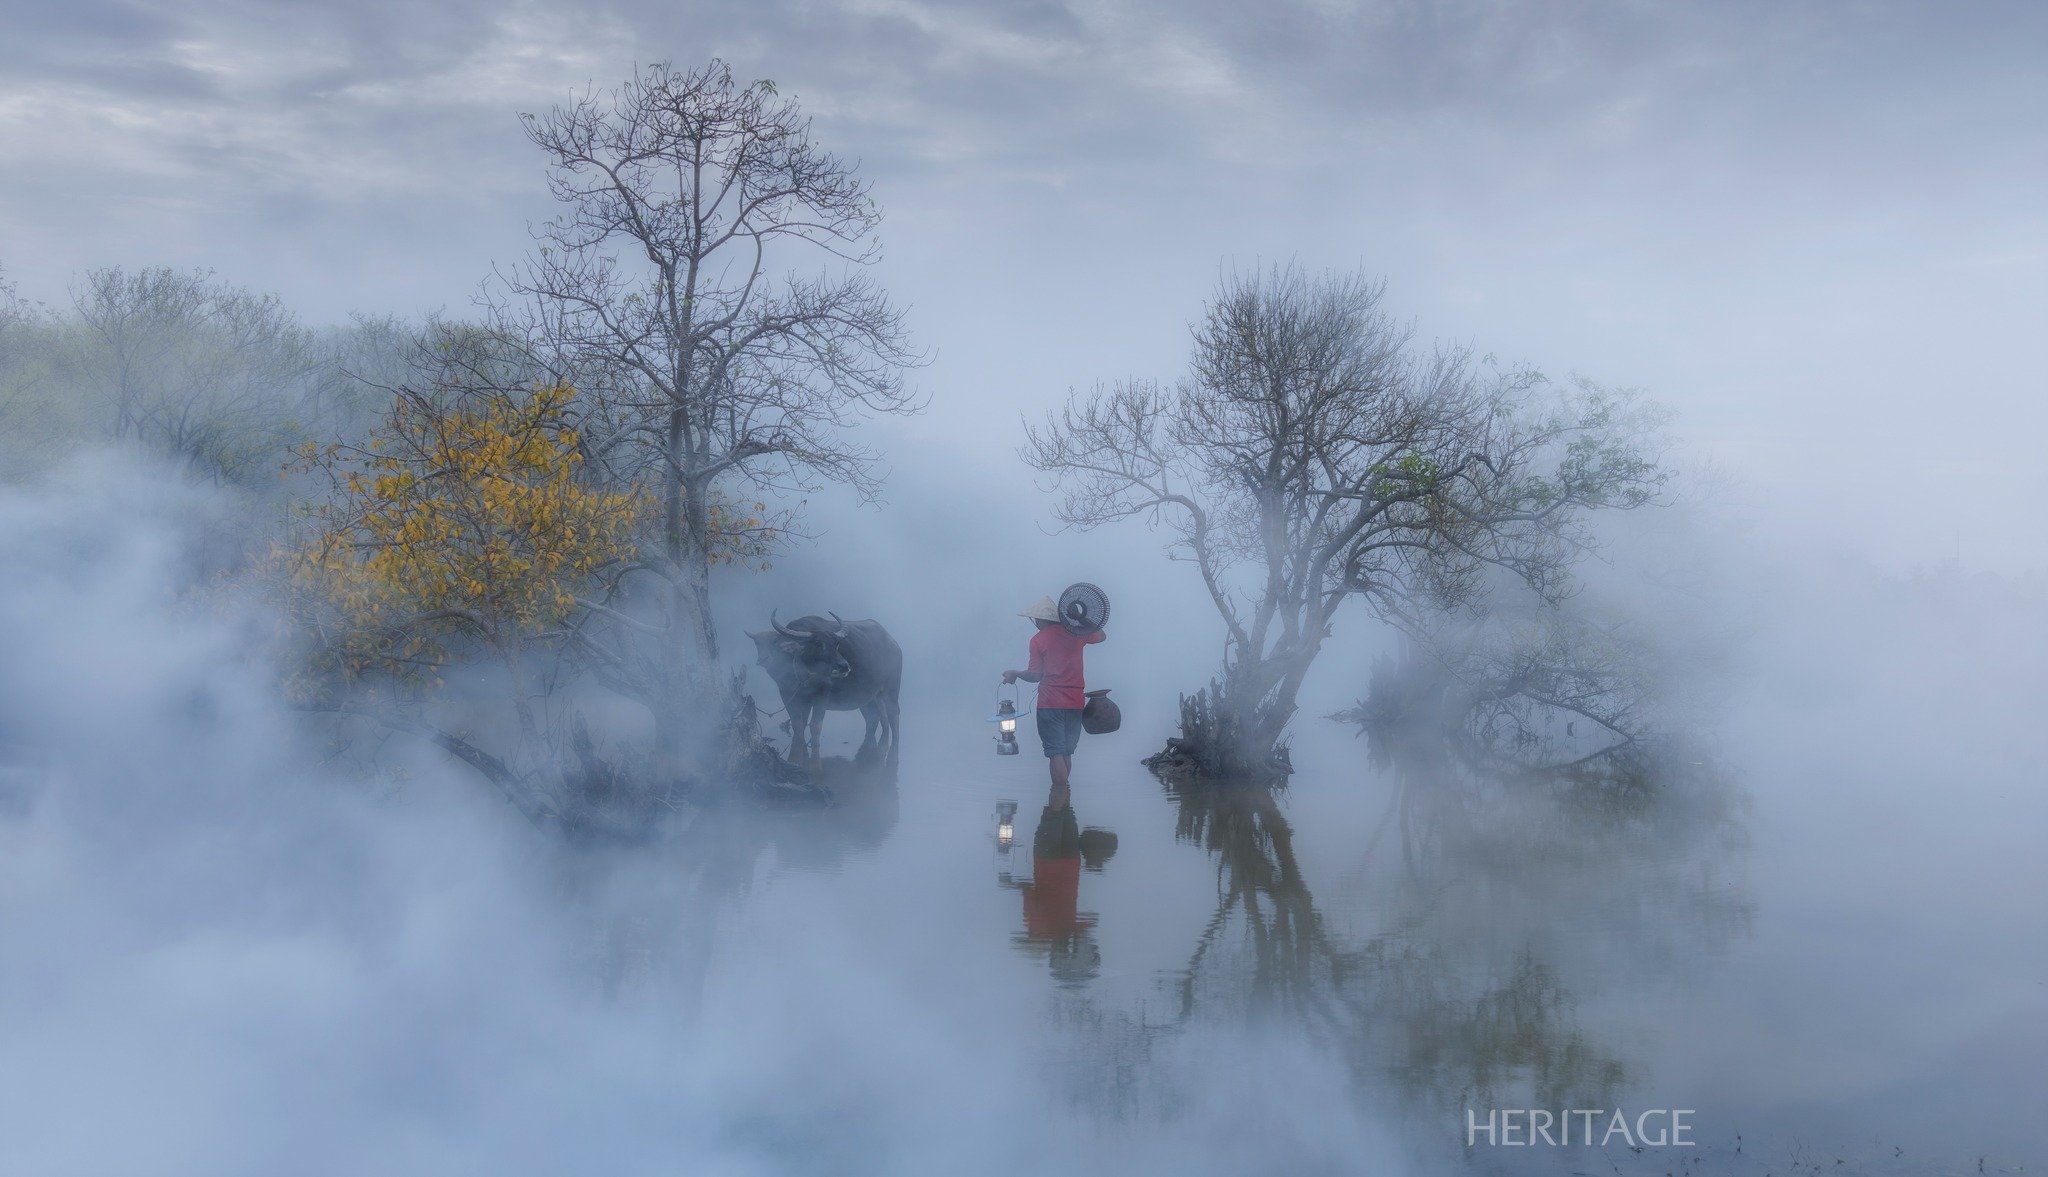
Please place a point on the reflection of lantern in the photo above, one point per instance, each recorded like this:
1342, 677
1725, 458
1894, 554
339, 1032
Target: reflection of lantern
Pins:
1006, 729
1006, 824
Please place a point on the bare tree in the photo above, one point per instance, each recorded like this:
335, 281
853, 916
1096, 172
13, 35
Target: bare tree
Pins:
14, 311
18, 321
710, 364
1312, 455
202, 370
1538, 687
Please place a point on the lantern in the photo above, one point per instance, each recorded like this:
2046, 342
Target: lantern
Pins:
1006, 728
1006, 825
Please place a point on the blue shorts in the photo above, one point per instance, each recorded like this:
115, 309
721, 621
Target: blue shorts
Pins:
1059, 729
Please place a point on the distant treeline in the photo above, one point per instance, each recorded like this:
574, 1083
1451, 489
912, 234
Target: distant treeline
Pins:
218, 377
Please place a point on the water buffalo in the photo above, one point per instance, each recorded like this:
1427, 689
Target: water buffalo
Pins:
822, 665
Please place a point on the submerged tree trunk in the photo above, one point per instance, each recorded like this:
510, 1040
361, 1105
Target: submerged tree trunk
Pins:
1228, 733
1235, 728
690, 732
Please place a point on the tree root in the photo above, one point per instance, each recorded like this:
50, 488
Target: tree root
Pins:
1214, 747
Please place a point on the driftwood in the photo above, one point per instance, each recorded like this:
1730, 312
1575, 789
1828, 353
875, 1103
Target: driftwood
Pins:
588, 792
509, 784
753, 764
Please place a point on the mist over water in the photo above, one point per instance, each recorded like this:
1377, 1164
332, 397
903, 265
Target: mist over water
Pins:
375, 798
251, 961
225, 954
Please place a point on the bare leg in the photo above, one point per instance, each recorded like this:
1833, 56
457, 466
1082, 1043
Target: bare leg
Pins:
1062, 767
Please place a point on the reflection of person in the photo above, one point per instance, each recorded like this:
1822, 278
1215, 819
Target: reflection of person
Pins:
1053, 921
1056, 667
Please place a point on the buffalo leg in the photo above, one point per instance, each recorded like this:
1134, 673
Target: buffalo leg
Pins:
871, 712
799, 721
892, 713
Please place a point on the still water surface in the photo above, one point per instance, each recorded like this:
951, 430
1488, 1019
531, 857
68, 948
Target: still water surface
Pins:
1821, 938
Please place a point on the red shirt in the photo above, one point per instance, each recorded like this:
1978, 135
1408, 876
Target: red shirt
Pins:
1056, 659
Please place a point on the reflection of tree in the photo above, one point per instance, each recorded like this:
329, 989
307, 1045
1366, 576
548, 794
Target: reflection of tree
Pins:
1259, 887
1505, 898
1630, 849
1402, 1004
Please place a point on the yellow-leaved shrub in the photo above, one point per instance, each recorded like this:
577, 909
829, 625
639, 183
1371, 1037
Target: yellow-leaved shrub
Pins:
467, 519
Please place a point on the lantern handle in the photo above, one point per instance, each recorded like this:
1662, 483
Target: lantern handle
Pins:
1015, 698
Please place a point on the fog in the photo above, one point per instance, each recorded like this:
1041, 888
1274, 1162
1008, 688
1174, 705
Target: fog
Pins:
249, 959
252, 962
251, 921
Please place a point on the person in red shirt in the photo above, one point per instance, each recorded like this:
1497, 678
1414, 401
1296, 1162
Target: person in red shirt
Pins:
1056, 667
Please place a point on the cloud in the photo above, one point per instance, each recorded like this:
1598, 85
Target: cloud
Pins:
1767, 212
381, 103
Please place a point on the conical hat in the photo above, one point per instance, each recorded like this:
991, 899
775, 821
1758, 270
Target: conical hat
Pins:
1042, 609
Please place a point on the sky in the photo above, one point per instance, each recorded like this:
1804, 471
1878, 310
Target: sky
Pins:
1815, 230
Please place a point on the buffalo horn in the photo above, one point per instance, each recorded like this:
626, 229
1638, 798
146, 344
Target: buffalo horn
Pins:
782, 629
